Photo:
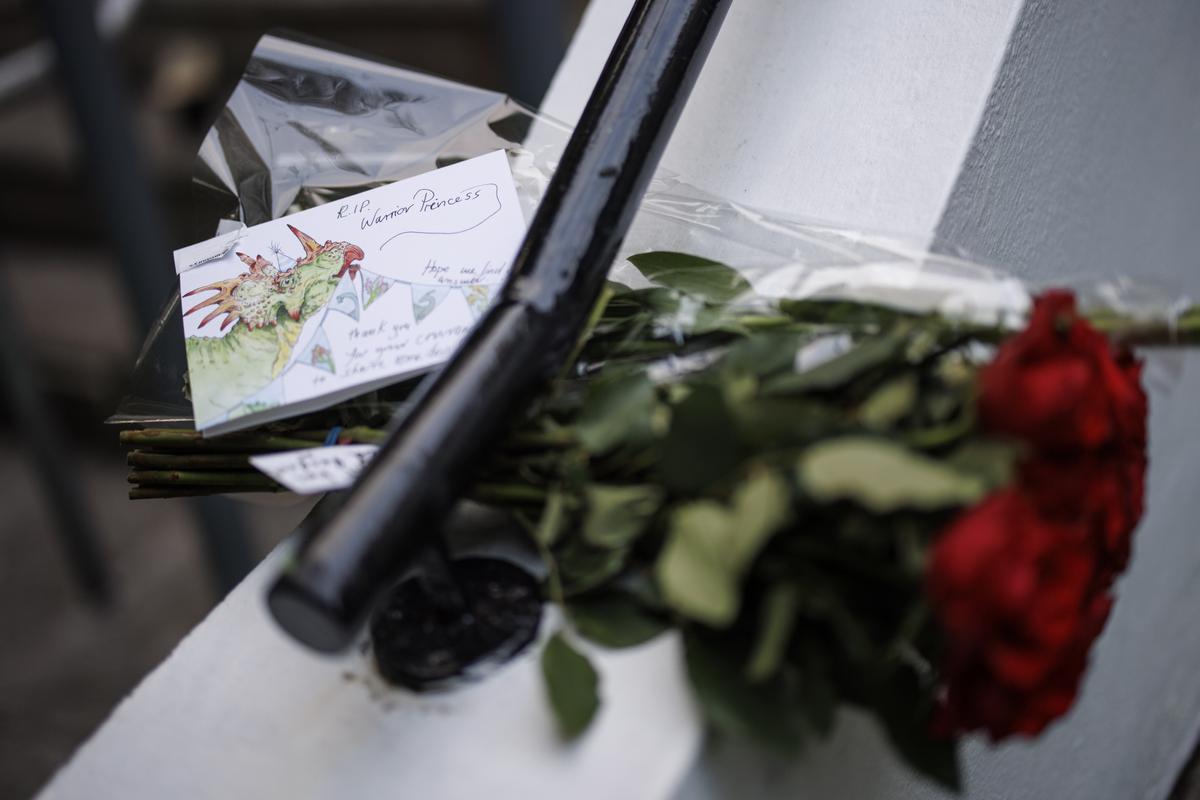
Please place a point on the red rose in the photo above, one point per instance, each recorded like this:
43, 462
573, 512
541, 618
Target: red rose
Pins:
1018, 597
975, 702
1101, 491
1058, 386
1134, 467
1061, 388
1132, 407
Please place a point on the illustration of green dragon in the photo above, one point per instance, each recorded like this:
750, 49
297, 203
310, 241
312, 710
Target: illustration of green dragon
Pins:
266, 307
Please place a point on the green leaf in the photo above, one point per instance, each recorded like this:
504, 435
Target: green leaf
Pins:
552, 521
762, 504
936, 759
841, 313
655, 299
738, 389
615, 620
956, 370
702, 445
571, 685
708, 319
823, 600
616, 289
693, 572
903, 706
994, 462
763, 354
693, 275
616, 515
882, 476
582, 567
760, 712
640, 585
867, 355
780, 609
925, 342
617, 411
941, 406
710, 546
775, 422
889, 403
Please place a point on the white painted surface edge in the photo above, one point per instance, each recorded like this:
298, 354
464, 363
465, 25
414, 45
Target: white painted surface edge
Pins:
240, 710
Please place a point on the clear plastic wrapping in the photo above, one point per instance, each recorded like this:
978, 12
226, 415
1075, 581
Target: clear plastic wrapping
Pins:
308, 124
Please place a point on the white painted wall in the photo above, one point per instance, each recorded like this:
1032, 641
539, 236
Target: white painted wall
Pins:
855, 110
1088, 154
1087, 162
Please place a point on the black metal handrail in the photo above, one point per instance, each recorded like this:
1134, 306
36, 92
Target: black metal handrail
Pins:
353, 553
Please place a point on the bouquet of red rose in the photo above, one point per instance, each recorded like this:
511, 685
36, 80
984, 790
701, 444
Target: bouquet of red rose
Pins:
916, 513
837, 502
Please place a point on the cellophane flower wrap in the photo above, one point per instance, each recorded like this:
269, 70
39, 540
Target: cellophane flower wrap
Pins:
845, 470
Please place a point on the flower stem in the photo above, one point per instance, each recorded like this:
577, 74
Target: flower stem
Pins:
1180, 330
507, 494
247, 477
176, 439
187, 461
168, 492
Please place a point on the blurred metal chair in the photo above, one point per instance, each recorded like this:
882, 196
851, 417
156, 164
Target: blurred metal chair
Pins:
131, 214
50, 457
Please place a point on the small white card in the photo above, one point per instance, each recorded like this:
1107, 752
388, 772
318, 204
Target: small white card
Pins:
305, 311
320, 469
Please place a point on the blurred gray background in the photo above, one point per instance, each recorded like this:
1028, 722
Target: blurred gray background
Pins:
66, 659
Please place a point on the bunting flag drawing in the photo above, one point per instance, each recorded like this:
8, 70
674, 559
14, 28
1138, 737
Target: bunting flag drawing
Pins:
479, 297
320, 353
374, 286
345, 298
426, 298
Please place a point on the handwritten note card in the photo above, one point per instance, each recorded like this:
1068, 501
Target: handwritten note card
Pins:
302, 312
319, 469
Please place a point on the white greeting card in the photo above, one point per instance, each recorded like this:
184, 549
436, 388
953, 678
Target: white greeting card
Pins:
305, 311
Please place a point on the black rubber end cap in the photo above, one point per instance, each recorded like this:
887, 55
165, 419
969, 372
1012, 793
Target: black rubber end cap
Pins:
308, 619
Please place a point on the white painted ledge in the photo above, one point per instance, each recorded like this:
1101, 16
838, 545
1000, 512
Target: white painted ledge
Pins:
240, 711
